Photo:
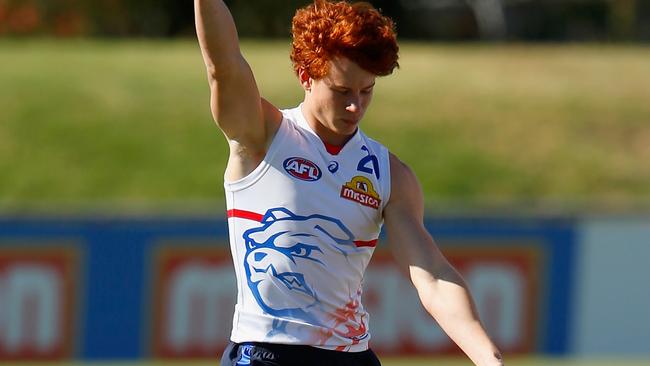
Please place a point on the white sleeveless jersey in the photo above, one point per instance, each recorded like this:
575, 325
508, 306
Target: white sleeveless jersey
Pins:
303, 226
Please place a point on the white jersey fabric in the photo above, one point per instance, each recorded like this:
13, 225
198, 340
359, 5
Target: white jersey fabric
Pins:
303, 226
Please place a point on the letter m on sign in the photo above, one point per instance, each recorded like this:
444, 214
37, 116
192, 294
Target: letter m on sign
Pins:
194, 300
36, 302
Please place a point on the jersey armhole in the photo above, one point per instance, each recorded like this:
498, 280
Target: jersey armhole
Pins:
264, 165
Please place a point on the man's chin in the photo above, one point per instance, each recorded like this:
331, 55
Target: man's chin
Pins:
346, 129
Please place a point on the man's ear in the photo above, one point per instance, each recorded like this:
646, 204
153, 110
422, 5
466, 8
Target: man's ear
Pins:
305, 79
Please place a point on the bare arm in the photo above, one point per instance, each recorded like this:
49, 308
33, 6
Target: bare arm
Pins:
247, 121
441, 289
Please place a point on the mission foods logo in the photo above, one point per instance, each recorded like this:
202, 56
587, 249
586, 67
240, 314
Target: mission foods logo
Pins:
303, 169
361, 190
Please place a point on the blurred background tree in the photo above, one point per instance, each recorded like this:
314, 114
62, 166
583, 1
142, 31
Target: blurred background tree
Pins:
518, 20
32, 17
623, 18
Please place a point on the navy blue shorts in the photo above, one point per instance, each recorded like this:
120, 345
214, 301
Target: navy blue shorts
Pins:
266, 354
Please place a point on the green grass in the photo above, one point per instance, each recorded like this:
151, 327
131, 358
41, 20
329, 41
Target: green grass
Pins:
516, 361
118, 125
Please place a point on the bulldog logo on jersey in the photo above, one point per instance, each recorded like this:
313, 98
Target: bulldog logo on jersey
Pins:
285, 260
361, 190
303, 169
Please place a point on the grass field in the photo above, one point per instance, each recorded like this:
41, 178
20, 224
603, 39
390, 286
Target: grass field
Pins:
385, 362
119, 125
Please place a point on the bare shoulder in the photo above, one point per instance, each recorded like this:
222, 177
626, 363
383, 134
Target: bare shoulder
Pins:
399, 168
245, 155
272, 119
403, 181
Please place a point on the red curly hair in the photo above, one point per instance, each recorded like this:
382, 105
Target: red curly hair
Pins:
324, 30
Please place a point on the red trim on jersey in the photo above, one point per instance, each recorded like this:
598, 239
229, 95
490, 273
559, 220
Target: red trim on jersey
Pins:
369, 243
333, 149
248, 215
242, 214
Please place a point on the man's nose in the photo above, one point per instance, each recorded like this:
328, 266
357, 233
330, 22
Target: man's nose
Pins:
353, 106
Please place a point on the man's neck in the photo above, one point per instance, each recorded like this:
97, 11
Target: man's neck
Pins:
330, 138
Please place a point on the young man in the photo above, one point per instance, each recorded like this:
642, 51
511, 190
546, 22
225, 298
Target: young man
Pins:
307, 194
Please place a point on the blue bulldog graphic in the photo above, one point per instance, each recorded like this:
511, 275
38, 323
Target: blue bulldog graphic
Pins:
279, 251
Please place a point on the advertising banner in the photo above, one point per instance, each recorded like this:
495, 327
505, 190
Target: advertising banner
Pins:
37, 302
505, 285
120, 289
196, 292
194, 298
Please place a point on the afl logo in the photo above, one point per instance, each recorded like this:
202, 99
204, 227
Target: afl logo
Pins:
303, 169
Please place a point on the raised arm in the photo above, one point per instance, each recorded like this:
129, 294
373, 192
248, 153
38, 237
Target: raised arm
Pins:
441, 289
247, 121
